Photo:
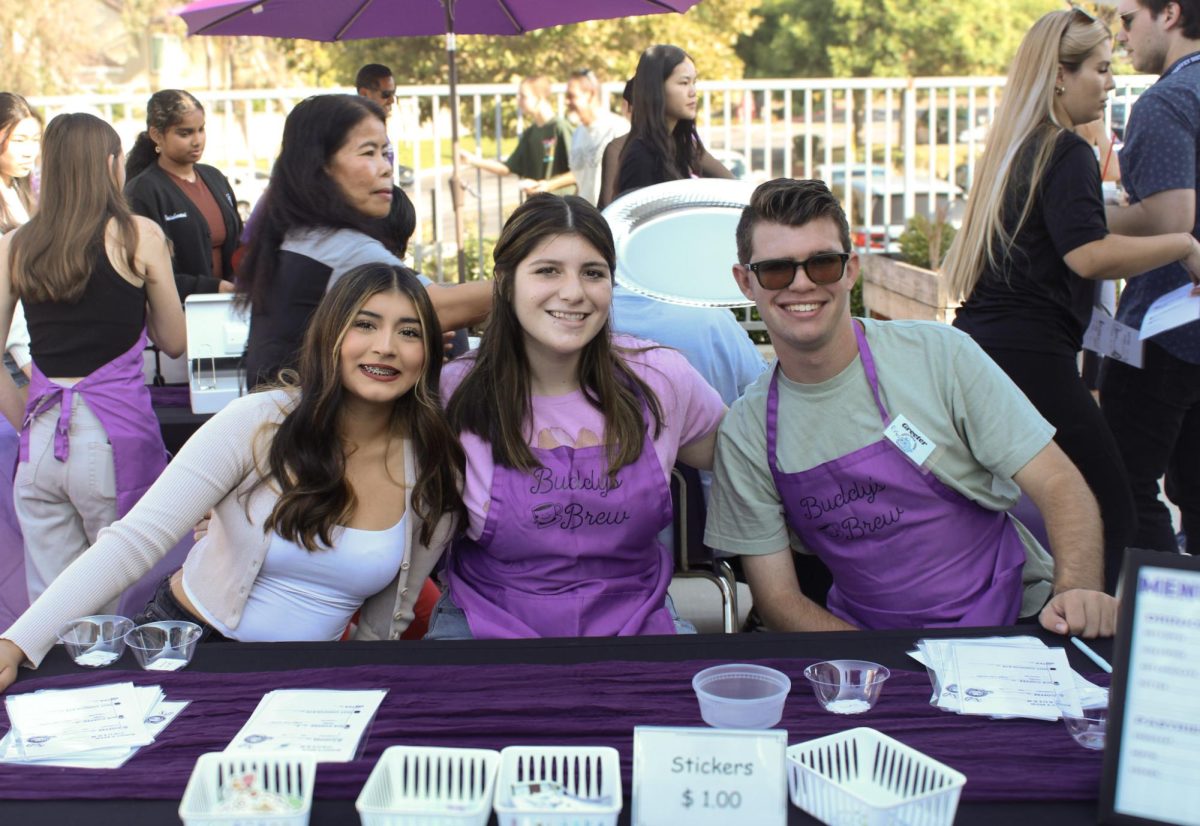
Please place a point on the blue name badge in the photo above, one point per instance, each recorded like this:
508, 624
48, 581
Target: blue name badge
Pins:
709, 777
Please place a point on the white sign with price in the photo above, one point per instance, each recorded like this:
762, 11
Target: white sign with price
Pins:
709, 777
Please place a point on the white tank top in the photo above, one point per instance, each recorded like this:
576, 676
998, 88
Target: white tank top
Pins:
311, 595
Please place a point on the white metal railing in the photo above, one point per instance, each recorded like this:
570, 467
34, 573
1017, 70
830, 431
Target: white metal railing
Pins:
889, 147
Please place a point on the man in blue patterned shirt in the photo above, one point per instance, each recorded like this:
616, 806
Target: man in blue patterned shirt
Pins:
1154, 411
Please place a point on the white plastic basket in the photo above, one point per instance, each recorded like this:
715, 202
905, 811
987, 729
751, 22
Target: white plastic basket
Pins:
291, 775
426, 786
865, 778
586, 771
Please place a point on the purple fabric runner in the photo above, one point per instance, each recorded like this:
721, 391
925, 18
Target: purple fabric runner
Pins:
492, 706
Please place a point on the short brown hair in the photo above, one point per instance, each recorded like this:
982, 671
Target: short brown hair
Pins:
792, 203
1189, 14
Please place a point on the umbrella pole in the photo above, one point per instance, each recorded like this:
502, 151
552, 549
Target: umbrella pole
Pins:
456, 187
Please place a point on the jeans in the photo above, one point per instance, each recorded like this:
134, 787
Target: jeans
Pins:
163, 607
1154, 413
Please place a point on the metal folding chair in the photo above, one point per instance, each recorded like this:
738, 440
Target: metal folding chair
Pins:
694, 559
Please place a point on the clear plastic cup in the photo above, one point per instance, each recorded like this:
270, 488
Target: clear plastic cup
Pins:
164, 646
95, 641
738, 695
847, 686
1089, 728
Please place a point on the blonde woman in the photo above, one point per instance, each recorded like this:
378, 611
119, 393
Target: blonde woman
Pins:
1034, 244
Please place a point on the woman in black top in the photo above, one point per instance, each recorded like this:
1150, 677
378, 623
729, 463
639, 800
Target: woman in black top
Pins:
663, 144
191, 201
1034, 241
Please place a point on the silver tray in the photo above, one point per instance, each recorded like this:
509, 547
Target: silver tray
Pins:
675, 241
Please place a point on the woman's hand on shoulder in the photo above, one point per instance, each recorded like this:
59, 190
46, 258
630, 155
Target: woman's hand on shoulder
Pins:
11, 657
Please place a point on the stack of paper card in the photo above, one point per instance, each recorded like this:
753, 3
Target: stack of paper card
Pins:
98, 727
326, 724
1005, 677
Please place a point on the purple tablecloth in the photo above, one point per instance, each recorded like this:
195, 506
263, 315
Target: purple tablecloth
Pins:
492, 706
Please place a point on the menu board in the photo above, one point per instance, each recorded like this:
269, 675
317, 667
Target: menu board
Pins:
1152, 753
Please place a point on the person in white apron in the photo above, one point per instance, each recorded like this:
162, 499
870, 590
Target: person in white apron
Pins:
890, 450
570, 435
93, 279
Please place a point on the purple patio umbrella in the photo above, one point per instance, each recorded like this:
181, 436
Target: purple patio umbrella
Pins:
332, 20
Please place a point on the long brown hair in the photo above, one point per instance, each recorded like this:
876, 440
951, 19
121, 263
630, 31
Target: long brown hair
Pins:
306, 458
13, 110
493, 400
52, 256
676, 153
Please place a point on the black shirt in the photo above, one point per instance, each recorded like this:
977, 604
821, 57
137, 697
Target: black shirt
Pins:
641, 166
1033, 301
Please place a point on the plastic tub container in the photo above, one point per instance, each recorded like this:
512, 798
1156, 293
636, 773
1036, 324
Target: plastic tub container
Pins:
288, 775
589, 772
847, 686
95, 641
865, 778
427, 786
739, 695
164, 646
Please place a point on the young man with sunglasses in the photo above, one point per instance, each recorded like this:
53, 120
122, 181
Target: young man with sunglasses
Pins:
891, 451
1154, 410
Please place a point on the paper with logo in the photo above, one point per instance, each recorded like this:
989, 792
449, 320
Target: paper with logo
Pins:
157, 719
325, 724
48, 724
1015, 681
1172, 310
1105, 336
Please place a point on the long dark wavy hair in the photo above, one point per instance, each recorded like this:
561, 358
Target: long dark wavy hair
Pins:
301, 194
678, 153
306, 458
166, 108
51, 257
493, 400
13, 110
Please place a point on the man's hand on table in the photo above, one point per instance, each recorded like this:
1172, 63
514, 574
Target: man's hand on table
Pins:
11, 658
1081, 612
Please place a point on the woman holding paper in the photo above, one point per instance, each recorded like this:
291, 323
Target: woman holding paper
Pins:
1034, 243
570, 434
334, 492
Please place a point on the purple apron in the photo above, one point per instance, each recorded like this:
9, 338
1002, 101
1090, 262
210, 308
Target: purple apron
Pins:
905, 550
118, 395
14, 595
565, 554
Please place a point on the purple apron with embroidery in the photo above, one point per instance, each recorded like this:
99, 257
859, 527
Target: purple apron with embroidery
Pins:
905, 550
566, 553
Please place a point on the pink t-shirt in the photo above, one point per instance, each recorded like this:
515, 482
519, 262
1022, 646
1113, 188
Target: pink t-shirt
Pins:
691, 410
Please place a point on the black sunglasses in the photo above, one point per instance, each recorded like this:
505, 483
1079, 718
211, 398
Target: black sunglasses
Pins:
822, 268
386, 94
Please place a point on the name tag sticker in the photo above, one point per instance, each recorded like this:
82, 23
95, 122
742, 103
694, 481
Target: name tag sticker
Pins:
911, 442
709, 777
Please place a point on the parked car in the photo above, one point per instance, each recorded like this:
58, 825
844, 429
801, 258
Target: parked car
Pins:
735, 162
964, 131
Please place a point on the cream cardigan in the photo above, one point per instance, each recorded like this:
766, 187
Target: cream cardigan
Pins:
215, 471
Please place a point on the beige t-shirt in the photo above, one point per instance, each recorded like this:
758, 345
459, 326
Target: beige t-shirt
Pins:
934, 375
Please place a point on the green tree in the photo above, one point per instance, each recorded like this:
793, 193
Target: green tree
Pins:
886, 38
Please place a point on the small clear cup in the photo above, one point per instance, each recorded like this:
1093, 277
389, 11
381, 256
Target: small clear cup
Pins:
95, 641
1089, 728
164, 646
847, 686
